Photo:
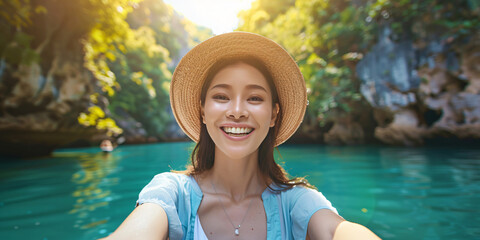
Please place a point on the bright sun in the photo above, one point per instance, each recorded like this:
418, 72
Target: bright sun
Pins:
218, 15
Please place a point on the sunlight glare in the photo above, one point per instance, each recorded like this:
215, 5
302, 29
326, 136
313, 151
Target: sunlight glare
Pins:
218, 15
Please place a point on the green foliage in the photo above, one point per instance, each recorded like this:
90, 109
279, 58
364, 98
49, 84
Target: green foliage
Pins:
171, 30
420, 18
319, 34
262, 12
141, 72
15, 46
133, 67
104, 46
18, 50
18, 12
330, 88
96, 117
106, 38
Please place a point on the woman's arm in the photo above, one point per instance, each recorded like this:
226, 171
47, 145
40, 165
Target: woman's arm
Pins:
349, 230
147, 221
325, 224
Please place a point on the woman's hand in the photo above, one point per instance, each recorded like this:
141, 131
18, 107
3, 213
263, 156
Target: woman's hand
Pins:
325, 224
147, 221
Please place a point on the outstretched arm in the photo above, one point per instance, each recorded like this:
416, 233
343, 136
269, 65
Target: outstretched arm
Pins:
147, 221
325, 224
349, 230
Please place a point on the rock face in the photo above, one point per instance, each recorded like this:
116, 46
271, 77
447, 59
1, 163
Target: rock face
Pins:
423, 92
40, 100
39, 109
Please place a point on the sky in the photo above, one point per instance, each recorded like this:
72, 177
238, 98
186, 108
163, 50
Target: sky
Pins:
218, 15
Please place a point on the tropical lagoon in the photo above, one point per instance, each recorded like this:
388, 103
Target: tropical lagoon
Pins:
391, 133
399, 193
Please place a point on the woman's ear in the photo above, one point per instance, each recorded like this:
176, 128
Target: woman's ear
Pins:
275, 111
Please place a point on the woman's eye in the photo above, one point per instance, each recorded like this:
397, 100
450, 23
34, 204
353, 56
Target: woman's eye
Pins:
220, 97
256, 99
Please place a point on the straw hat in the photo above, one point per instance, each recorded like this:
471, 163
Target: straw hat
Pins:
192, 71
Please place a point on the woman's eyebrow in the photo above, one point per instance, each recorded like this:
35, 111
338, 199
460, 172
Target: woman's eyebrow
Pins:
254, 86
251, 86
222, 86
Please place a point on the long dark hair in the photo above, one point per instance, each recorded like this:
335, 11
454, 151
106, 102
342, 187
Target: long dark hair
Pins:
203, 155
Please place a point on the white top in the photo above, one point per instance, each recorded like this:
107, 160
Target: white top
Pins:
198, 233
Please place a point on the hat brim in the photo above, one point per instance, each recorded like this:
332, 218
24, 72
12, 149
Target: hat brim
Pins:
192, 70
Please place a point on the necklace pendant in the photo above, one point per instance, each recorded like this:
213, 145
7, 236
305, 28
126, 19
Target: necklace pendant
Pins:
237, 232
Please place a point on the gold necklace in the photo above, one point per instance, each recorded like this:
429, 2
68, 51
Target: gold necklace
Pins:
237, 229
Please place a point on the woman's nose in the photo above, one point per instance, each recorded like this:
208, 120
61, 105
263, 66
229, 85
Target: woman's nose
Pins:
237, 110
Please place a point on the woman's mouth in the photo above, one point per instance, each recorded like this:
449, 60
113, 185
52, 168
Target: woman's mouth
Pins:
237, 131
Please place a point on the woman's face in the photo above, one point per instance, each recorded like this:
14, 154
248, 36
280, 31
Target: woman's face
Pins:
238, 110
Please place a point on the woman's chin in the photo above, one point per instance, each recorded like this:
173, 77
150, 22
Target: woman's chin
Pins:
238, 152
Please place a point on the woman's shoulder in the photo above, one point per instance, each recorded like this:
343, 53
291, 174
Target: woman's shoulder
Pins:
302, 196
297, 191
176, 180
174, 176
169, 185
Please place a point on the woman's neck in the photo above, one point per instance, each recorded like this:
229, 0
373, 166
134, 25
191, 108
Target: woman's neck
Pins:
237, 177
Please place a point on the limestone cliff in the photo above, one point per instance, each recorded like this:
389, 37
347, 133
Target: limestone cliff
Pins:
39, 108
40, 99
425, 91
70, 71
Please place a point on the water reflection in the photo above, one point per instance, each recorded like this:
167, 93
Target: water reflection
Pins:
92, 189
428, 185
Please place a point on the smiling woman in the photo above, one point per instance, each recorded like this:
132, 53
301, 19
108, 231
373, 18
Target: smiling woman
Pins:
239, 103
238, 95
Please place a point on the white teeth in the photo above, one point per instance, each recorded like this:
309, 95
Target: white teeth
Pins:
237, 130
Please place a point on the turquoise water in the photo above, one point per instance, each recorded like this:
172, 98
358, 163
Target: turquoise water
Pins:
399, 193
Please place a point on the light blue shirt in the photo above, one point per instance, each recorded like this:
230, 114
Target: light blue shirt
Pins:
288, 212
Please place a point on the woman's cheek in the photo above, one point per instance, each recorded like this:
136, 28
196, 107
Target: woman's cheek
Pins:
263, 115
214, 107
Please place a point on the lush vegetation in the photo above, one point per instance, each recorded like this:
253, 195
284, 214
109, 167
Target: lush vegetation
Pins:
328, 37
133, 68
129, 46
